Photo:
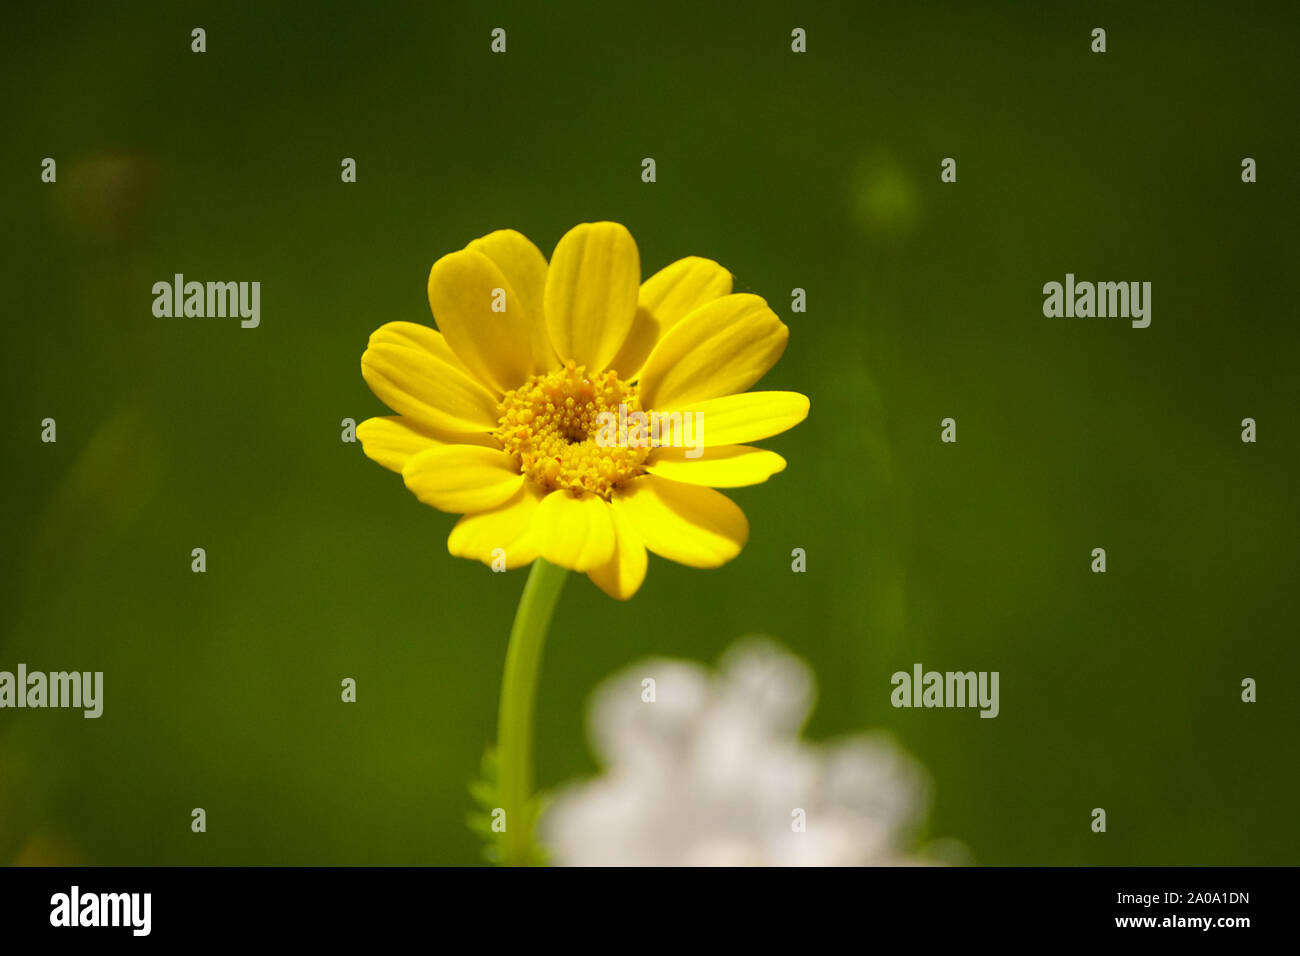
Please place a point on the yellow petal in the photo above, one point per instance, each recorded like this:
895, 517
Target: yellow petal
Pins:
620, 577
412, 335
640, 341
392, 440
411, 369
721, 466
591, 292
698, 527
462, 479
524, 267
734, 419
464, 287
575, 532
677, 290
479, 536
721, 348
664, 299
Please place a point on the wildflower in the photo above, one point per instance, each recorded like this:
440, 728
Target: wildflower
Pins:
711, 771
500, 411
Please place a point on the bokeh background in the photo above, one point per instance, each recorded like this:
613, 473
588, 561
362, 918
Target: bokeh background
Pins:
818, 171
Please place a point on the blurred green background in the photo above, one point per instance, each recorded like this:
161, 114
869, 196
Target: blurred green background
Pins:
818, 171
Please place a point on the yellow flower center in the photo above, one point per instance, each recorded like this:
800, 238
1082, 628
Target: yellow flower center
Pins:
553, 424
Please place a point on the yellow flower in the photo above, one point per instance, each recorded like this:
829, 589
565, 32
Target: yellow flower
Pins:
506, 415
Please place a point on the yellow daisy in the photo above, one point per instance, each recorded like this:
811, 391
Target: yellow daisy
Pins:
500, 413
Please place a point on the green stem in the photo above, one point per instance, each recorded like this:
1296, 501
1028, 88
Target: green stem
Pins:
518, 692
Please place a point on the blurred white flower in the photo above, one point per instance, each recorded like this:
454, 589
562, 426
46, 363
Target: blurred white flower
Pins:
713, 772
